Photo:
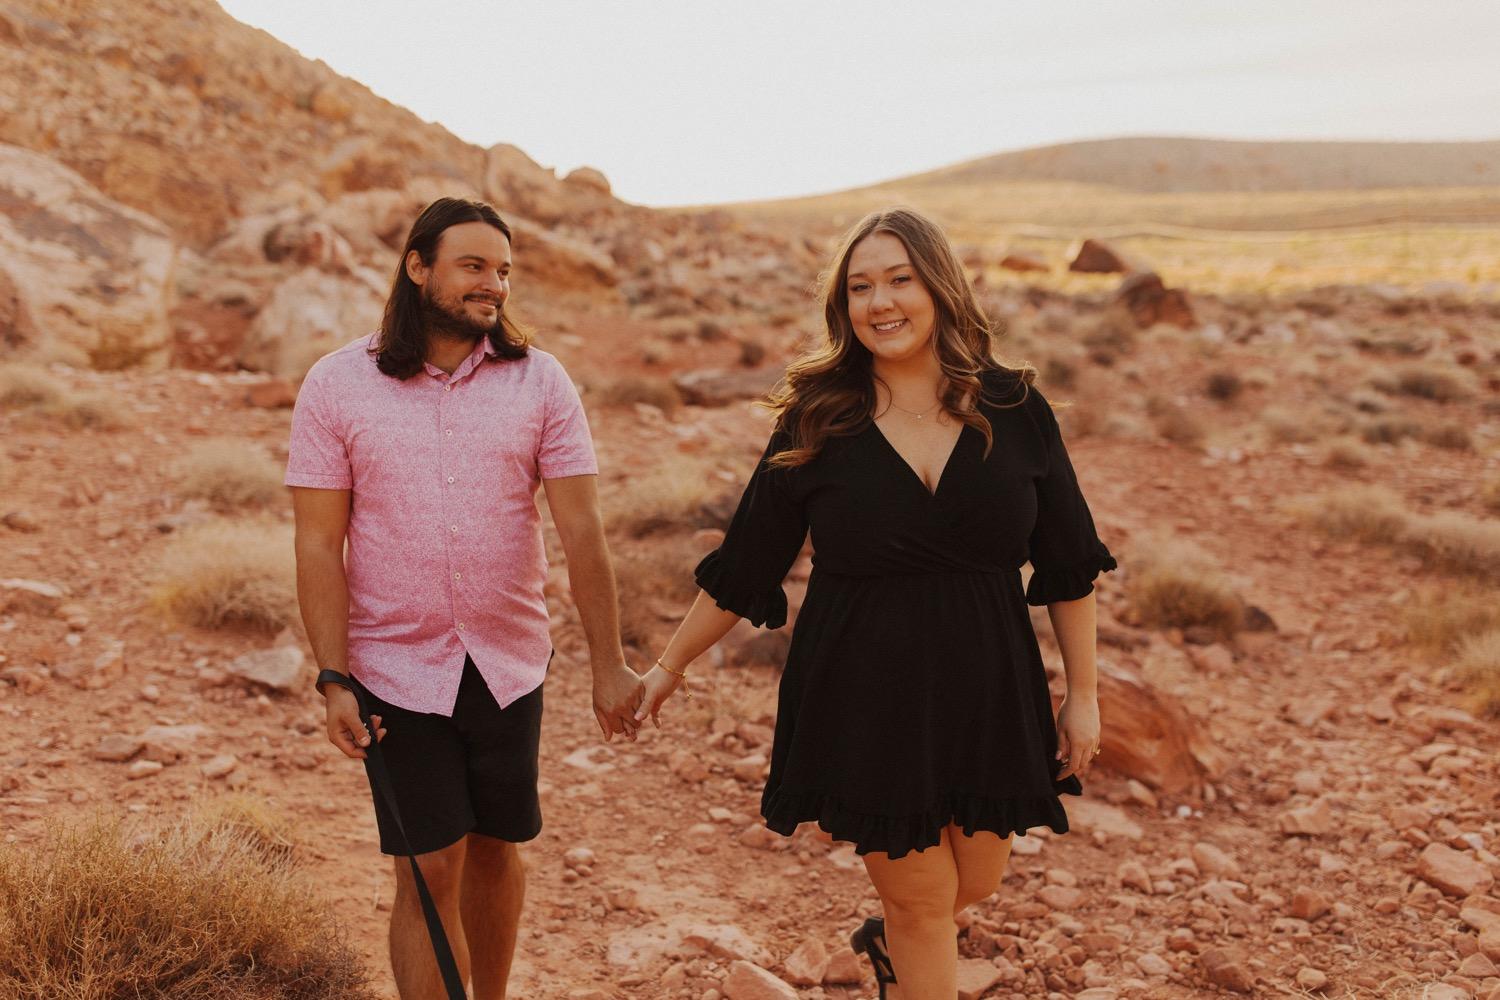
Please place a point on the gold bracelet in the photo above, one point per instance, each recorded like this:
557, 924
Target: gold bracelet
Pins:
686, 694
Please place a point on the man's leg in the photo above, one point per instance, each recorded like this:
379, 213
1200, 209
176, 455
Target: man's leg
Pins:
490, 898
412, 959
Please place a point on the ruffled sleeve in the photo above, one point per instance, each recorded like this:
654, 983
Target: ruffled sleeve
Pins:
1065, 551
745, 572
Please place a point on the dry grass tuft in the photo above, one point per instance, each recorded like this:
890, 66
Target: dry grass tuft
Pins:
656, 586
632, 389
1439, 619
1455, 437
669, 496
1174, 422
1224, 386
191, 913
1389, 429
266, 833
1346, 454
1477, 667
1456, 542
1176, 585
1489, 496
224, 572
30, 388
1282, 425
1364, 513
1441, 383
229, 474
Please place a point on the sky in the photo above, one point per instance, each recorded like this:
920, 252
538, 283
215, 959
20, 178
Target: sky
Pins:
685, 102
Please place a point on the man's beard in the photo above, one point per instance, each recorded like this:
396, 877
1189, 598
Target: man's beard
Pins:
455, 323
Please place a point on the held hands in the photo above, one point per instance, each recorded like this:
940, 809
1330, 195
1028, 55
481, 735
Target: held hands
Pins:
659, 685
618, 692
345, 731
1077, 734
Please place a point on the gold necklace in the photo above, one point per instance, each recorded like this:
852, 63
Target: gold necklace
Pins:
914, 413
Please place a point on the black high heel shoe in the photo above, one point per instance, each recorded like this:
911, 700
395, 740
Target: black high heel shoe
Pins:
866, 941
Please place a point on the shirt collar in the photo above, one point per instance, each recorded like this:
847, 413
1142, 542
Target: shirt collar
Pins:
482, 351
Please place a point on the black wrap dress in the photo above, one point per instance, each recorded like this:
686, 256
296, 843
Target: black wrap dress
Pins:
914, 693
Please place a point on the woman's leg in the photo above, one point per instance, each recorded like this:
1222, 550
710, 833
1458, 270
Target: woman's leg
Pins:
981, 861
919, 892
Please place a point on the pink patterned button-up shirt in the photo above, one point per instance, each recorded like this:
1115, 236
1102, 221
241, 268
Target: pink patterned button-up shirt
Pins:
445, 551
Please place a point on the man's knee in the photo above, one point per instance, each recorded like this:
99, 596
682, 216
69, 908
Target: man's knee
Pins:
442, 870
492, 854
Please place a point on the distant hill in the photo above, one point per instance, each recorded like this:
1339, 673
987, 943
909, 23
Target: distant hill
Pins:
1163, 164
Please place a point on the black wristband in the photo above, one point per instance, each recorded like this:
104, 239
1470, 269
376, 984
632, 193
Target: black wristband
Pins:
333, 677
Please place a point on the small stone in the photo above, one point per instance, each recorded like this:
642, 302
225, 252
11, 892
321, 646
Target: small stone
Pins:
1213, 861
579, 857
1226, 968
1489, 942
1477, 966
220, 766
808, 964
844, 967
1140, 793
1308, 904
279, 667
751, 768
1132, 873
750, 982
1454, 872
1060, 897
975, 975
1314, 819
118, 747
760, 837
1152, 964
1311, 979
143, 769
22, 521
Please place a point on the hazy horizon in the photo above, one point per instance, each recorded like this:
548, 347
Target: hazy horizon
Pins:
681, 104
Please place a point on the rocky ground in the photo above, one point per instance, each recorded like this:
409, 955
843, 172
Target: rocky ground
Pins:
1341, 840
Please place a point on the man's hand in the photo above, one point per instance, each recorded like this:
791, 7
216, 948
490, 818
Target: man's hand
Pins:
617, 694
345, 731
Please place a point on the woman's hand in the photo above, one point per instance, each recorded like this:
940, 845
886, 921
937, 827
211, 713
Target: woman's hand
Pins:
659, 686
1077, 734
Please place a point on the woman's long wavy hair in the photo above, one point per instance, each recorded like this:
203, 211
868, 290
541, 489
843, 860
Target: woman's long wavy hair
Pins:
402, 345
830, 390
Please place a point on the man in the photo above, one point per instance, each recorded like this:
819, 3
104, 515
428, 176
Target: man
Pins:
422, 445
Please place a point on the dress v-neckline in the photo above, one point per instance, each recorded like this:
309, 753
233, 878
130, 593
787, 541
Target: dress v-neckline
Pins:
912, 470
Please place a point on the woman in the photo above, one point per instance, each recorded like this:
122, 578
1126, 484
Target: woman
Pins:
914, 717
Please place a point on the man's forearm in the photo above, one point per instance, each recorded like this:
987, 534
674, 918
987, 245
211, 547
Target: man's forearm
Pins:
1075, 625
323, 595
592, 580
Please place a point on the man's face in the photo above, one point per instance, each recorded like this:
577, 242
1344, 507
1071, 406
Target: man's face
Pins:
466, 287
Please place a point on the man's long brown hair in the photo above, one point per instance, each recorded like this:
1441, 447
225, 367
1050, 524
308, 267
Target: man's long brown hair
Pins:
830, 390
402, 344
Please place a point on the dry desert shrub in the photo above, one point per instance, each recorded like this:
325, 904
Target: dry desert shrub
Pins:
32, 389
1477, 667
1363, 513
194, 912
1176, 585
631, 389
227, 572
1225, 386
656, 586
1456, 542
1282, 425
1346, 455
1442, 383
1174, 422
1452, 436
669, 496
1489, 496
1440, 618
229, 474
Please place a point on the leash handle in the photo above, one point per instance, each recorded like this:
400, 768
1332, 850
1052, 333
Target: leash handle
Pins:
380, 777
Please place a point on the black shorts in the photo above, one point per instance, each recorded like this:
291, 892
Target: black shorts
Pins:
473, 772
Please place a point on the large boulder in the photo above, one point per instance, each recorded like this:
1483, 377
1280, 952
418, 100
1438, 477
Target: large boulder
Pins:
309, 314
1150, 736
1149, 302
81, 276
517, 185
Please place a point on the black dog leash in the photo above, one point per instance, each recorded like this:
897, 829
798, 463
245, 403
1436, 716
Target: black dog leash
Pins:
381, 779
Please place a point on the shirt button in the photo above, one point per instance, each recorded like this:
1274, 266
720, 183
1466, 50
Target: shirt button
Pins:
458, 576
450, 479
447, 388
448, 432
460, 626
454, 529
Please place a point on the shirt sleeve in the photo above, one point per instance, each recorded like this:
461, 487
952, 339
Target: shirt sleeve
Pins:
316, 453
744, 574
566, 447
1065, 551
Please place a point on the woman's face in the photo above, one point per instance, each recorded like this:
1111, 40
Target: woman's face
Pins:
891, 311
